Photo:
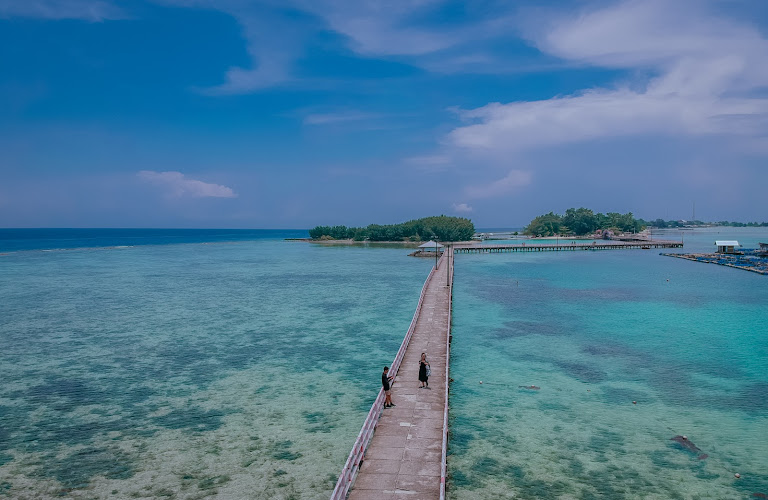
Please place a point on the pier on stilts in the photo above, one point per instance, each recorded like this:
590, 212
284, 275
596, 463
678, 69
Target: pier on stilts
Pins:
563, 247
401, 451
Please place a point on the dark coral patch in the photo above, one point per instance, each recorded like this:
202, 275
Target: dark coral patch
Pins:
191, 418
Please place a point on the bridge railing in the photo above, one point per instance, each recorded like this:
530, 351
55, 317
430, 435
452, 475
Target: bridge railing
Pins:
595, 245
356, 456
444, 464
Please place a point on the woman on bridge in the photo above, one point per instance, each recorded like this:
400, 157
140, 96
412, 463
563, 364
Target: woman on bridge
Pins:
424, 371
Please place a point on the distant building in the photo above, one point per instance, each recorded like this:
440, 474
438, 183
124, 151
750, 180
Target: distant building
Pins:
727, 246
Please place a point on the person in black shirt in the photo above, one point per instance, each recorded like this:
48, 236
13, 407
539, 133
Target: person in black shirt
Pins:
386, 380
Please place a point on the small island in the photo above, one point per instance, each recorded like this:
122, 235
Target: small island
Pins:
582, 222
438, 228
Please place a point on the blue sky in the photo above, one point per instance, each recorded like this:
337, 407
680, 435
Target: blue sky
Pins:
293, 113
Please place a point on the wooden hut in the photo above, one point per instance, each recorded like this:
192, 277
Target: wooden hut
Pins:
727, 246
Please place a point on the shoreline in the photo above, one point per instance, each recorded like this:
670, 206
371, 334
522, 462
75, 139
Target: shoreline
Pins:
403, 244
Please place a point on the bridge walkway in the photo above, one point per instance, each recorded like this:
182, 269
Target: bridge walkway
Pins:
405, 457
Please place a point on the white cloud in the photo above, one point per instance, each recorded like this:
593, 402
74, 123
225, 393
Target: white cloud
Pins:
602, 114
87, 10
710, 76
269, 73
383, 28
277, 31
514, 180
179, 185
273, 42
649, 33
461, 208
275, 37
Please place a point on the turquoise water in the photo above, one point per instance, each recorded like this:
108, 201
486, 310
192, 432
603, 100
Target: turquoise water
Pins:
24, 239
238, 365
597, 331
224, 369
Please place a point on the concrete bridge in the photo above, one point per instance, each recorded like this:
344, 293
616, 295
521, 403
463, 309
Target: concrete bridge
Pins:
400, 452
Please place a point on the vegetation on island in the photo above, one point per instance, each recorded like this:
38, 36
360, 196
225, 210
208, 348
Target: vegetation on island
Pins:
581, 221
442, 228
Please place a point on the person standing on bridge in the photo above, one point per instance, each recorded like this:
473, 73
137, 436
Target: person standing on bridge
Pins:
424, 371
385, 381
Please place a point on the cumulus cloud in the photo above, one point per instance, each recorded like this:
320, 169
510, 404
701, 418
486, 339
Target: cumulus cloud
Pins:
514, 180
86, 10
461, 208
602, 114
710, 74
649, 33
178, 185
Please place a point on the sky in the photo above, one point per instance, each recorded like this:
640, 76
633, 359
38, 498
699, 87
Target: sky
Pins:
296, 113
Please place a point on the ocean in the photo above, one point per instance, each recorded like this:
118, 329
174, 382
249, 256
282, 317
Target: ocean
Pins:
626, 349
235, 364
232, 365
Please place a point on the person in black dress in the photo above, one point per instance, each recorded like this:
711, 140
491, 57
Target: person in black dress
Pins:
423, 366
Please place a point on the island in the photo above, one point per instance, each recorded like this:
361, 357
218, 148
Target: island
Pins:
437, 228
583, 221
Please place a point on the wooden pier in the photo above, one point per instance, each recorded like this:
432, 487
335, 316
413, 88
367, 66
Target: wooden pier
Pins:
401, 451
561, 247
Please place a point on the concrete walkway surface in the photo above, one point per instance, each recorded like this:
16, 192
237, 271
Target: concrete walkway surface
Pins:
404, 457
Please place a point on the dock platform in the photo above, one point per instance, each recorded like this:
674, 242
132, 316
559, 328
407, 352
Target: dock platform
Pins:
400, 452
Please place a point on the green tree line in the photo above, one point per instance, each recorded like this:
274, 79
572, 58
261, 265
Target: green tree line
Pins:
442, 228
581, 221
